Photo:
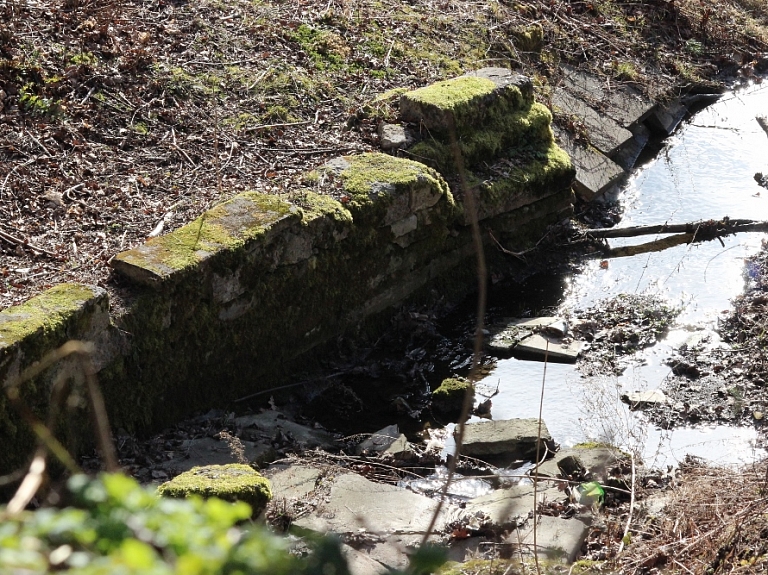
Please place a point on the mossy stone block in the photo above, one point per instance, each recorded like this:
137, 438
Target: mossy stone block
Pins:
464, 104
448, 398
247, 218
234, 482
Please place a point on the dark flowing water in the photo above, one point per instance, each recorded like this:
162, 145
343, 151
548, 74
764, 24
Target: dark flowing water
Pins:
704, 172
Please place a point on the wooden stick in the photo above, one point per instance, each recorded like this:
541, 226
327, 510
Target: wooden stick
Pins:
704, 230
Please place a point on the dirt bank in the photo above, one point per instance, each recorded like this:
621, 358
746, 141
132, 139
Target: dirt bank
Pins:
123, 120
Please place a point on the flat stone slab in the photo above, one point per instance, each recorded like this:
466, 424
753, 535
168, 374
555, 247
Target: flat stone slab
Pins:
596, 173
512, 506
293, 481
266, 425
513, 438
536, 338
603, 132
386, 520
353, 500
623, 104
210, 451
557, 539
644, 399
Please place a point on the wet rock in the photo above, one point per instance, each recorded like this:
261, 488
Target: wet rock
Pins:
448, 398
644, 399
510, 438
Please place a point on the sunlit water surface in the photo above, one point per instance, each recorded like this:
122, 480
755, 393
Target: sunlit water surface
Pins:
706, 171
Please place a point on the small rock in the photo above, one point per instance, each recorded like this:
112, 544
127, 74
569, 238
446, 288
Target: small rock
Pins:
758, 415
644, 399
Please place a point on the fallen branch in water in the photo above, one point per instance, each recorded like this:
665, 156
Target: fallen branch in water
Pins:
700, 231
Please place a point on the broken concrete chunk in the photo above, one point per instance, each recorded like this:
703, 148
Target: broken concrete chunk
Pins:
510, 438
557, 539
536, 338
588, 462
596, 174
644, 399
393, 137
379, 441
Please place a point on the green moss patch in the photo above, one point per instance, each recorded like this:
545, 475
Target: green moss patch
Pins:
234, 482
381, 189
48, 312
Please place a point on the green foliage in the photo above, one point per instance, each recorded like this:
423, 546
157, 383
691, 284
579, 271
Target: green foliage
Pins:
115, 526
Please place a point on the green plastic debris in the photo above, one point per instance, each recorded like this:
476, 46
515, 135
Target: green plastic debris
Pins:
591, 493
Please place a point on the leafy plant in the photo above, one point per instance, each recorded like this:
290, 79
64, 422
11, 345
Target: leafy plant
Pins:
113, 525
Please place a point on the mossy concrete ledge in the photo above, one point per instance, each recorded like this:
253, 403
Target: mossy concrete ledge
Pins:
233, 482
249, 218
27, 333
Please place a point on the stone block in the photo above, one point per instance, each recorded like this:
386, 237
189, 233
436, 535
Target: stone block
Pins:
623, 104
510, 438
594, 460
27, 333
666, 117
536, 338
382, 190
596, 174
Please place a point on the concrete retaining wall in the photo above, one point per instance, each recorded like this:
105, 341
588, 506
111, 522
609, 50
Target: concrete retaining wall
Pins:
225, 305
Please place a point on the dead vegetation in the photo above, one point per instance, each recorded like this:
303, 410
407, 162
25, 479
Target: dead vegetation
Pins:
715, 522
122, 120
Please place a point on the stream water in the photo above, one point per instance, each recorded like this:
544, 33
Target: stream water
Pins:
705, 171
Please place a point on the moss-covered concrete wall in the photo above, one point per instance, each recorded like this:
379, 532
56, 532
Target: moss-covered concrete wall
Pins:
225, 305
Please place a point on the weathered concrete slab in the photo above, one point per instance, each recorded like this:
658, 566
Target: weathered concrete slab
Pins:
595, 172
536, 338
293, 481
621, 103
558, 539
596, 461
628, 155
644, 399
604, 133
266, 425
513, 438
